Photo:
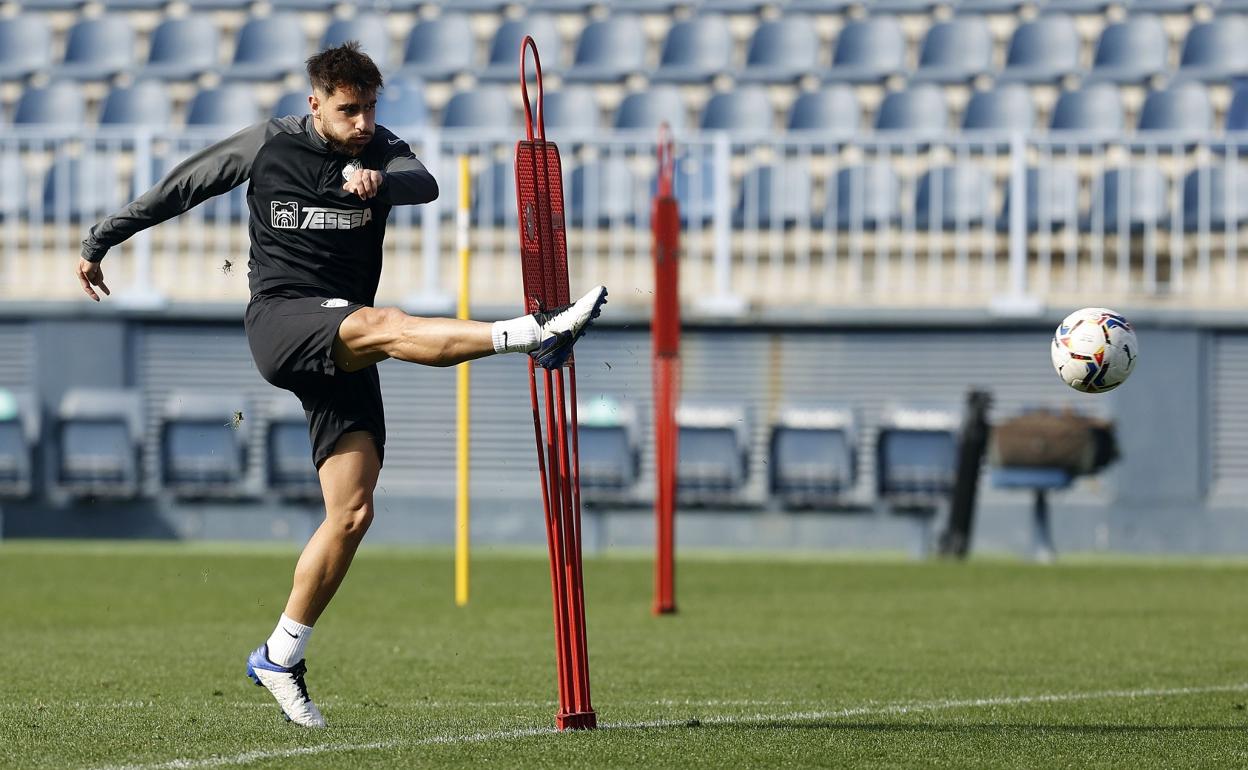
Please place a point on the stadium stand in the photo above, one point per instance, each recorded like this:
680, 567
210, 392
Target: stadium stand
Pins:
610, 448
19, 434
1094, 110
695, 50
646, 110
1214, 50
916, 112
1212, 201
295, 102
60, 103
774, 196
145, 103
1182, 110
439, 48
401, 104
1008, 107
916, 453
609, 49
955, 51
1043, 50
1052, 199
869, 50
865, 197
1131, 198
98, 432
98, 48
494, 199
1130, 51
229, 106
368, 29
831, 111
505, 47
268, 48
713, 452
813, 456
183, 48
25, 45
781, 50
203, 449
953, 197
572, 111
287, 448
482, 108
745, 111
602, 193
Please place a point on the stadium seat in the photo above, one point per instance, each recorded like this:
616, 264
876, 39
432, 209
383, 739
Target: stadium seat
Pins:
59, 103
1045, 49
483, 108
868, 50
609, 447
1182, 110
953, 197
14, 196
52, 5
865, 197
98, 48
401, 104
781, 50
1001, 110
296, 103
603, 194
609, 49
1212, 201
955, 51
646, 110
212, 5
98, 435
1140, 189
1094, 111
571, 111
813, 461
289, 470
19, 434
182, 48
269, 48
503, 64
744, 111
1215, 51
563, 6
712, 462
832, 111
25, 45
916, 453
230, 106
695, 50
1052, 199
81, 188
440, 48
368, 29
775, 196
918, 112
693, 184
145, 103
1237, 113
1130, 51
203, 449
494, 195
325, 6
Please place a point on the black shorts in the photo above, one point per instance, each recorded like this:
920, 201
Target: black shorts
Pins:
292, 342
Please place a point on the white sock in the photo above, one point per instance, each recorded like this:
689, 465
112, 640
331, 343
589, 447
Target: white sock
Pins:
288, 641
517, 335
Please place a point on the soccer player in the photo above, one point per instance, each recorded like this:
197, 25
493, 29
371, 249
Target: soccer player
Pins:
320, 188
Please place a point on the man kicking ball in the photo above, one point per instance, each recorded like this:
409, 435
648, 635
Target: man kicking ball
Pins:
320, 189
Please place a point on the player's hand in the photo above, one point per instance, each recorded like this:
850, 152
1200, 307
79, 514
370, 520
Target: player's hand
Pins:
90, 274
364, 183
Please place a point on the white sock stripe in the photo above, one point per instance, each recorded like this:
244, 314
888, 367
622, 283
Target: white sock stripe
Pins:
802, 716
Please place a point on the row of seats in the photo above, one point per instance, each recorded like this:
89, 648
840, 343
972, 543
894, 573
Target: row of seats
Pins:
660, 6
832, 112
784, 49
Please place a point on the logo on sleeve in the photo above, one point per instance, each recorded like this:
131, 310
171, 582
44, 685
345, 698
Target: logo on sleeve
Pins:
285, 214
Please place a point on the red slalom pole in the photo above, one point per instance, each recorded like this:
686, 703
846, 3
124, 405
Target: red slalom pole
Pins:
665, 338
544, 263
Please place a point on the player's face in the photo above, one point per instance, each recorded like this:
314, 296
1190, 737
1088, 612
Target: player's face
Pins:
346, 118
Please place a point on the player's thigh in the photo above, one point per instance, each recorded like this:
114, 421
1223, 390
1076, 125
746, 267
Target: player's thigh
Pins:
349, 475
365, 335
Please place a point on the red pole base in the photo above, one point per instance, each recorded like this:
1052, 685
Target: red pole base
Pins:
577, 720
663, 609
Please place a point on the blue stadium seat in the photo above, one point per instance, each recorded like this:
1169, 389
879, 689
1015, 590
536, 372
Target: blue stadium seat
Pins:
368, 29
295, 102
145, 103
919, 111
1003, 109
324, 6
1179, 6
1211, 200
571, 111
52, 5
603, 194
494, 194
1140, 189
563, 6
19, 434
440, 48
98, 434
14, 196
868, 50
203, 450
183, 48
1093, 111
98, 48
955, 51
916, 453
401, 104
991, 6
268, 48
831, 111
744, 111
781, 50
775, 196
1052, 199
1078, 7
693, 184
230, 106
289, 469
696, 49
484, 108
1237, 113
82, 188
609, 49
953, 197
609, 447
504, 64
814, 456
865, 197
712, 462
1214, 50
645, 110
212, 5
25, 45
1045, 49
1181, 110
59, 103
1131, 51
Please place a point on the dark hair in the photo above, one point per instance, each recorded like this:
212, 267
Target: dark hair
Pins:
343, 67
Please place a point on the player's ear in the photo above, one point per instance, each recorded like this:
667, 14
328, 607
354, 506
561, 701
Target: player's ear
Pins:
314, 102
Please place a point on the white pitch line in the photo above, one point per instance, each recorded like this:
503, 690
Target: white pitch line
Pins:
895, 709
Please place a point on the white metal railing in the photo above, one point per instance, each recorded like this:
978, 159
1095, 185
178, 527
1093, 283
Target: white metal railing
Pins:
967, 220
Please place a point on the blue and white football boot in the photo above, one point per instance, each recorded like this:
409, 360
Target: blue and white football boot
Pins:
563, 326
286, 685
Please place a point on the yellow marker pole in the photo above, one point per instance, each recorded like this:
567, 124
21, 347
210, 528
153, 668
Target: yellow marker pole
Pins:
461, 412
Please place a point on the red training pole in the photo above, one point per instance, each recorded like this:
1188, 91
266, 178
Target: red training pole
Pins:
665, 338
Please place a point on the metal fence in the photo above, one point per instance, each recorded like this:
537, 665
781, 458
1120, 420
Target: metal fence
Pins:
1011, 222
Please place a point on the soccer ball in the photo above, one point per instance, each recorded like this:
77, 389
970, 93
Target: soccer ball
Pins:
1094, 350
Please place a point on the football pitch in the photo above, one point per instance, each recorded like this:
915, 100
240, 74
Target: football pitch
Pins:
132, 655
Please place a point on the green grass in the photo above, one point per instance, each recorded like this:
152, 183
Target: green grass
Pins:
132, 655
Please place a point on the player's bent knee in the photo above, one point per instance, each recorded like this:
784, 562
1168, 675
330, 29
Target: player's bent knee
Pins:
354, 522
367, 336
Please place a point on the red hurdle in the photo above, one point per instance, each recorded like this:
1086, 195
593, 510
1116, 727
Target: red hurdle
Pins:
665, 337
544, 262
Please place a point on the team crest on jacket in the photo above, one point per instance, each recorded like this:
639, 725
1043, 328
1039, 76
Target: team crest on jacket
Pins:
350, 169
285, 214
335, 302
288, 215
